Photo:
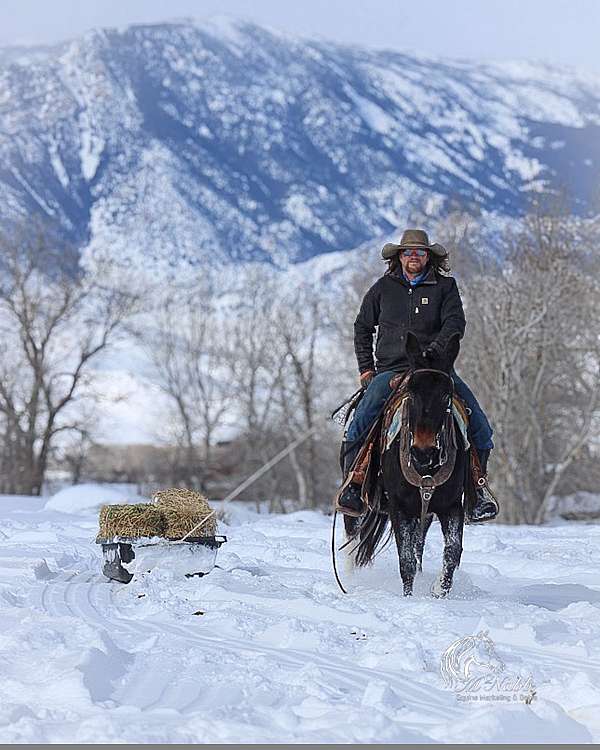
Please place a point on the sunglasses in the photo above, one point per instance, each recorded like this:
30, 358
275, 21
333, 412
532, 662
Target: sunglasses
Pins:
414, 250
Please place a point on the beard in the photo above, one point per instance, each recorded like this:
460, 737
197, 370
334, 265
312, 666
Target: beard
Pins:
414, 265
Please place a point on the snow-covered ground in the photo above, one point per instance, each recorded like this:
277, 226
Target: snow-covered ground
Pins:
267, 649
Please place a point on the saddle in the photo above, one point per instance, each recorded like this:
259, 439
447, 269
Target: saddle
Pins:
366, 467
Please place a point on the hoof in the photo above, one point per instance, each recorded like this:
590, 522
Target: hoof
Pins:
439, 591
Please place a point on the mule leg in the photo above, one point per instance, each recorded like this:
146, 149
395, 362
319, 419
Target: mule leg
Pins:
452, 528
420, 542
405, 532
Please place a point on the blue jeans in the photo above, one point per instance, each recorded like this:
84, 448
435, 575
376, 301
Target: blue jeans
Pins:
378, 392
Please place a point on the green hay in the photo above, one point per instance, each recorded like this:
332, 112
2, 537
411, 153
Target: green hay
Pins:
131, 521
183, 510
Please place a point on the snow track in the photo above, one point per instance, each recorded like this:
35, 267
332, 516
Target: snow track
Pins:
89, 600
266, 649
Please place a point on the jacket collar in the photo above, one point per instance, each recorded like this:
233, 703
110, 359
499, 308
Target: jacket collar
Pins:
429, 278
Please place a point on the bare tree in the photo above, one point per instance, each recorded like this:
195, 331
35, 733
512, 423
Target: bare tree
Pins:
54, 322
300, 328
257, 367
255, 364
535, 360
187, 343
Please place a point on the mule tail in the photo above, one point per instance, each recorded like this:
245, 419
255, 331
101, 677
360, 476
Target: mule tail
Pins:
370, 534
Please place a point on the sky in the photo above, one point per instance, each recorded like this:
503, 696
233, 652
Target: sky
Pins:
561, 32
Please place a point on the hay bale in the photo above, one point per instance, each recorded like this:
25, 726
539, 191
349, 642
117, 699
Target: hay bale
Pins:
183, 509
134, 521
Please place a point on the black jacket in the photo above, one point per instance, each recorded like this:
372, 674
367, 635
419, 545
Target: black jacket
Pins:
432, 310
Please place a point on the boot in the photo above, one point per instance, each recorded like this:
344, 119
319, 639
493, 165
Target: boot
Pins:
348, 499
486, 506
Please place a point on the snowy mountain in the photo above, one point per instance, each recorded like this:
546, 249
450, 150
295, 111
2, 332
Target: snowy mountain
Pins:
226, 141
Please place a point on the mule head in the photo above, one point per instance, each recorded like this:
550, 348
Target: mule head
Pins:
430, 390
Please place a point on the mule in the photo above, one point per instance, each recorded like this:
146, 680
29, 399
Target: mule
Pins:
411, 465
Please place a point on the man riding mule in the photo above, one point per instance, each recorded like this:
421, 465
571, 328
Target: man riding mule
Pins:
414, 295
418, 469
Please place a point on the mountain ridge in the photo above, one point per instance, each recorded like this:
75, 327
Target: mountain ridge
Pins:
182, 142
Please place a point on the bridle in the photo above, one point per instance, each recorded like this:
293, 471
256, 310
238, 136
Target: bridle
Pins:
441, 438
445, 443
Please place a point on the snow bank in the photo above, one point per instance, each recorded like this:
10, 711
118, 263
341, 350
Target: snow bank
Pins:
266, 649
88, 497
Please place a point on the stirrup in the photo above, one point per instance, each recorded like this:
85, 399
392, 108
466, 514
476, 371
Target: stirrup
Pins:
486, 499
345, 509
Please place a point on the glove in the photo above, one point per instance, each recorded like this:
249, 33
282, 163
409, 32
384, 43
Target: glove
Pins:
433, 350
366, 377
396, 380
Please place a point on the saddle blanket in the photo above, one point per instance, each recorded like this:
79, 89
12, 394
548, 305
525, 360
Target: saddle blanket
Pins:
458, 412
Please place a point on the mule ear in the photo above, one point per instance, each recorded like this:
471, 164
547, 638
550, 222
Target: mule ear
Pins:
414, 351
452, 349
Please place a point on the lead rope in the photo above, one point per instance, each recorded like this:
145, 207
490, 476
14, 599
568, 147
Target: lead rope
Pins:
241, 487
253, 477
333, 560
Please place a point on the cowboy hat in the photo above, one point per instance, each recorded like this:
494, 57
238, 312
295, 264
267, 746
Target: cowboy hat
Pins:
413, 238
